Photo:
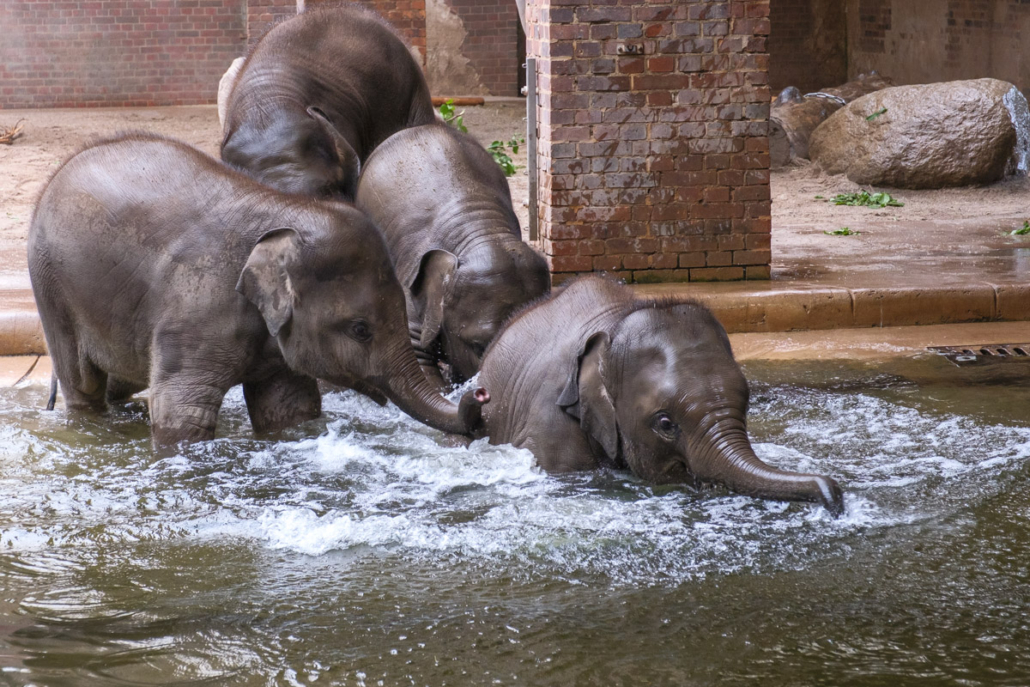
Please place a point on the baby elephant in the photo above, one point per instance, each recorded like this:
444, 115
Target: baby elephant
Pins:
154, 265
445, 209
595, 376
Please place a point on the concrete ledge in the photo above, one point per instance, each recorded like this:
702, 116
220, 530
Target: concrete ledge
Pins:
799, 306
742, 307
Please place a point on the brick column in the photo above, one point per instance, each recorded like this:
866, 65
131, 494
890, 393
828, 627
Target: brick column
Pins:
654, 152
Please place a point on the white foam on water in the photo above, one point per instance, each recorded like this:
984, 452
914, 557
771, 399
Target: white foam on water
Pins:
377, 483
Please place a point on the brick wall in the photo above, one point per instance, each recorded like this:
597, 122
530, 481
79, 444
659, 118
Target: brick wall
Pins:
263, 14
653, 167
407, 16
807, 44
93, 53
474, 48
923, 41
85, 53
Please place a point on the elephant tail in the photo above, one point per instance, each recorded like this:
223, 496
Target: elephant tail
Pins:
53, 392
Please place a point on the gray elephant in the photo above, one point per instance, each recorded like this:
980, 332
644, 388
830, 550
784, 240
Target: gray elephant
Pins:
594, 376
155, 265
445, 209
316, 95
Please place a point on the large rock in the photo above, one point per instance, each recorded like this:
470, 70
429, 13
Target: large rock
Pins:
955, 133
795, 116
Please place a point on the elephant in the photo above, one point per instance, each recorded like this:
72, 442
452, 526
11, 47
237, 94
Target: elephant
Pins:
154, 265
316, 95
445, 209
595, 376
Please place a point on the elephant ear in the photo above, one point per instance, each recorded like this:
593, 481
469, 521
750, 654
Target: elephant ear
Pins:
431, 290
265, 280
349, 159
586, 397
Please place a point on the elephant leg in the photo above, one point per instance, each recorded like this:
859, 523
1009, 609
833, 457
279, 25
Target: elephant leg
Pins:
83, 384
183, 409
121, 390
283, 400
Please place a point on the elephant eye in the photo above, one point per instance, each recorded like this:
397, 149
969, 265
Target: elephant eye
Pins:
478, 349
665, 426
360, 331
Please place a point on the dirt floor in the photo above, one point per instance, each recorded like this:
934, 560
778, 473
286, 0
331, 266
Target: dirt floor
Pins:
51, 135
937, 237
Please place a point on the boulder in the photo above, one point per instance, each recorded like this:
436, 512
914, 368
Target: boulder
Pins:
794, 116
938, 135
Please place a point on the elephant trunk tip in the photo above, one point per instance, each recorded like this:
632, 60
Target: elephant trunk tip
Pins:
470, 409
832, 495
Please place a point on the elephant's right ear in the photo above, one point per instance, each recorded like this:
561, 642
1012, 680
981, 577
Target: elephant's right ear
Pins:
265, 279
430, 290
349, 159
586, 397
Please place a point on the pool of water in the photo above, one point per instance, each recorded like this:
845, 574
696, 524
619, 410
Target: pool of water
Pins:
362, 550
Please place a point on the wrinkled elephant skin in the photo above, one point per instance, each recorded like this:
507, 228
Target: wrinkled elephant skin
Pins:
445, 209
153, 265
594, 376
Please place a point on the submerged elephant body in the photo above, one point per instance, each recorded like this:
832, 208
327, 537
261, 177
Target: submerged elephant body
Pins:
155, 266
594, 376
316, 95
445, 209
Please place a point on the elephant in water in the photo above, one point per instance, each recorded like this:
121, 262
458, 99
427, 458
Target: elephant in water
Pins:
445, 209
595, 376
316, 95
154, 265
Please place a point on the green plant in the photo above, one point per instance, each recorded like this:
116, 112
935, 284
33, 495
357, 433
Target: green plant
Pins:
866, 199
453, 117
1022, 231
882, 110
499, 151
843, 231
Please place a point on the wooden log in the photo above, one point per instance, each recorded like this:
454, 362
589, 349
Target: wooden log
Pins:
794, 116
439, 100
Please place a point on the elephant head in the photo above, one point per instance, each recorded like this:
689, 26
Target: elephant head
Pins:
337, 311
463, 303
306, 155
663, 395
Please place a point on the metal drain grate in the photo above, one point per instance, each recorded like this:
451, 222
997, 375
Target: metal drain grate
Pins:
968, 355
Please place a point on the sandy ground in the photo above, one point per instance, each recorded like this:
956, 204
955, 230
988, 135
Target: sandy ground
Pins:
937, 237
52, 135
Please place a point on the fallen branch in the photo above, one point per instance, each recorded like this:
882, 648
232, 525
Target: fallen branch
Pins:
7, 135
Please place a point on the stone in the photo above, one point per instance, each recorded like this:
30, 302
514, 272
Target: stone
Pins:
794, 116
956, 133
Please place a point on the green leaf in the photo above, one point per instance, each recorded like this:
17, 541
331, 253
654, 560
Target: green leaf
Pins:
1023, 231
453, 117
882, 110
843, 231
865, 199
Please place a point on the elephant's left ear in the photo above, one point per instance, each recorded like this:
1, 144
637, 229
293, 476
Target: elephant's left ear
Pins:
265, 279
586, 397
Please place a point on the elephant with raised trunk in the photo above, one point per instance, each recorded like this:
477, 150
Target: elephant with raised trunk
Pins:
595, 376
445, 209
316, 95
153, 265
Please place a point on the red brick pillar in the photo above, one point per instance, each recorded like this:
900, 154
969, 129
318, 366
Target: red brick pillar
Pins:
654, 152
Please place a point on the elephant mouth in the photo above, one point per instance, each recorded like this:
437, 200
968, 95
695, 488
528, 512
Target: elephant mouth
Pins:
363, 388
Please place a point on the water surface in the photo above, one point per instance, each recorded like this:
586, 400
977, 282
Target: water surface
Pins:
362, 550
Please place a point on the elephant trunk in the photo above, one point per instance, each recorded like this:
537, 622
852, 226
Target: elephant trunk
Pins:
409, 389
729, 460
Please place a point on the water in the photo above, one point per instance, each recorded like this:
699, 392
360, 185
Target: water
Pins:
361, 550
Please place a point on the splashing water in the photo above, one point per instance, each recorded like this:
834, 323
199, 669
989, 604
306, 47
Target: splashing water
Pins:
365, 524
